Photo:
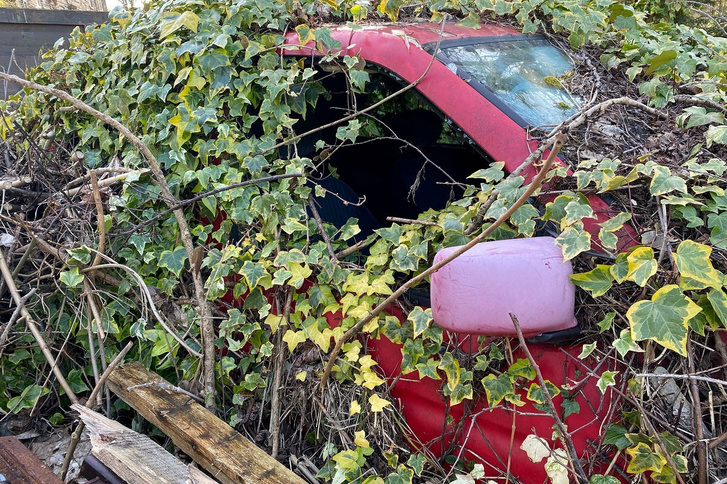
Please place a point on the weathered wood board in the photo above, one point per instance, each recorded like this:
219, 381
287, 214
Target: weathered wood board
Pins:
18, 465
223, 452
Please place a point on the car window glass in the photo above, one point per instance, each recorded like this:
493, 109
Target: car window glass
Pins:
525, 74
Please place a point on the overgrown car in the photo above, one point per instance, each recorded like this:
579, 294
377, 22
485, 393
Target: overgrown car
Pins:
477, 94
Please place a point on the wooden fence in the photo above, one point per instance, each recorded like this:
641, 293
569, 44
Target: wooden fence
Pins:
24, 32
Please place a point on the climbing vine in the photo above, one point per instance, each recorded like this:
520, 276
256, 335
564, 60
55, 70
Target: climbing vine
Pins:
204, 86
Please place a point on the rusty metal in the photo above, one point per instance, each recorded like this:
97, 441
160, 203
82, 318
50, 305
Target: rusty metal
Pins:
18, 465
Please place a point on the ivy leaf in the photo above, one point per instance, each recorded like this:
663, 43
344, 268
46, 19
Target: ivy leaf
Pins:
597, 282
573, 241
71, 278
716, 134
578, 209
606, 380
616, 435
293, 338
718, 299
299, 273
377, 403
664, 319
625, 343
173, 260
81, 254
698, 116
27, 399
420, 318
497, 388
664, 182
537, 395
587, 350
174, 21
305, 34
607, 321
641, 265
416, 462
644, 459
695, 267
661, 60
253, 272
601, 479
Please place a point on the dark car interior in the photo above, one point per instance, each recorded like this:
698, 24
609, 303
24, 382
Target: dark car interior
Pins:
407, 158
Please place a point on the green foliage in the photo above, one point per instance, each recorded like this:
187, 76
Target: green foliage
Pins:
203, 83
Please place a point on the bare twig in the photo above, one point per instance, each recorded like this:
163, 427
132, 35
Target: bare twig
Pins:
321, 229
354, 330
278, 365
697, 423
76, 436
14, 318
33, 327
411, 221
562, 429
207, 327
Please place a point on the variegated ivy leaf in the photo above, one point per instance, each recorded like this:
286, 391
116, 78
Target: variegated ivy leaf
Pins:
597, 282
664, 319
664, 182
607, 379
641, 265
695, 267
643, 459
574, 240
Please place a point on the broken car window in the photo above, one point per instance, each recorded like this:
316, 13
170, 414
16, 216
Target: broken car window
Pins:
523, 73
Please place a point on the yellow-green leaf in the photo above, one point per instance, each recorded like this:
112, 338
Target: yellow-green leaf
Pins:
174, 21
695, 267
293, 338
72, 277
644, 459
664, 318
360, 439
496, 388
573, 240
718, 299
642, 265
354, 408
377, 403
597, 282
305, 34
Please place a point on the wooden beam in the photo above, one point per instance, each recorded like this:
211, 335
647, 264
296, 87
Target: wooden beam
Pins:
133, 457
18, 465
214, 445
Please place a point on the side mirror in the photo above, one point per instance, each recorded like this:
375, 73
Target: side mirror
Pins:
476, 292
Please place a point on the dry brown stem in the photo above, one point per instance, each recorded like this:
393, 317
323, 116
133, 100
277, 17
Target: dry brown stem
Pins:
208, 331
33, 327
354, 330
562, 429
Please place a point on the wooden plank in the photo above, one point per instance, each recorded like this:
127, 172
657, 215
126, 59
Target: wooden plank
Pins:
214, 445
18, 465
135, 458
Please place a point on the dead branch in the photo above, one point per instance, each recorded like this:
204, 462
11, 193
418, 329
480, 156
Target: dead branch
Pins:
534, 185
207, 326
33, 327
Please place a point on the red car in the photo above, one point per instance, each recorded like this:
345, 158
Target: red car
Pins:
473, 105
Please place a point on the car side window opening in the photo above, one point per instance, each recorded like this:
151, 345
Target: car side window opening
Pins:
407, 158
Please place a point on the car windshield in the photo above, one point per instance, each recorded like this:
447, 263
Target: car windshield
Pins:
524, 74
